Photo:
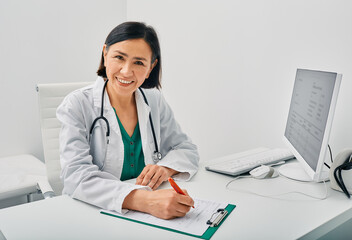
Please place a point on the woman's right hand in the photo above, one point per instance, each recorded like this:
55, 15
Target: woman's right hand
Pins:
163, 203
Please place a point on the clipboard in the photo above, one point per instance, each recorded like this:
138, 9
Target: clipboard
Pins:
214, 222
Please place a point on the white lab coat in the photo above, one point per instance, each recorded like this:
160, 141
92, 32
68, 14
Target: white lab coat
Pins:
91, 168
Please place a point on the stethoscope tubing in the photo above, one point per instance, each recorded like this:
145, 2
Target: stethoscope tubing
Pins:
157, 156
102, 114
151, 123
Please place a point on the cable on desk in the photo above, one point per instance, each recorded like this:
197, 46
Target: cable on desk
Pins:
275, 195
330, 153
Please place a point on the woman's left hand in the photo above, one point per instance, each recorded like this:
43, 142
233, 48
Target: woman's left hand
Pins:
154, 175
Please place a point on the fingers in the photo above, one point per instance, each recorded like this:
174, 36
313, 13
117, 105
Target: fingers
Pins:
185, 192
153, 176
183, 205
143, 178
168, 204
156, 181
148, 176
182, 210
186, 199
140, 177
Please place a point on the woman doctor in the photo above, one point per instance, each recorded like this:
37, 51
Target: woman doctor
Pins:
120, 145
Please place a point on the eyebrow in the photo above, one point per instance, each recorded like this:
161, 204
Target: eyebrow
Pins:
126, 55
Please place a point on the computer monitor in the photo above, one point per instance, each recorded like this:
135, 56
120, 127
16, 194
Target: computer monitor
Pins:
309, 123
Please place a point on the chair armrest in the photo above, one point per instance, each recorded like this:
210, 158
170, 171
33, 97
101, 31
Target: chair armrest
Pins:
46, 189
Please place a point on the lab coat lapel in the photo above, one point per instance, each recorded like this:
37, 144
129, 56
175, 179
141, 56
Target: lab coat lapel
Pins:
109, 113
97, 90
143, 111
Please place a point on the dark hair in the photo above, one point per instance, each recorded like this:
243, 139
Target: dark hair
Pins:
134, 30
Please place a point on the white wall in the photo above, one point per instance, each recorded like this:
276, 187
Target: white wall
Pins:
229, 66
42, 42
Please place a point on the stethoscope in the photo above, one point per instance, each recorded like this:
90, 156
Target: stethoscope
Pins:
157, 156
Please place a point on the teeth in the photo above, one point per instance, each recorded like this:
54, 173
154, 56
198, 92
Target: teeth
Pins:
123, 81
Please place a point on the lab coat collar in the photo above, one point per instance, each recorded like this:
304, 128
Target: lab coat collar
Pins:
109, 113
143, 109
97, 91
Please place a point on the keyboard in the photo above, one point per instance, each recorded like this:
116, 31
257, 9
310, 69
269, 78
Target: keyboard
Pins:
240, 163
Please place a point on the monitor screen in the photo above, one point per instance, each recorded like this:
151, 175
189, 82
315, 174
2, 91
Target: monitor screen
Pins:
310, 116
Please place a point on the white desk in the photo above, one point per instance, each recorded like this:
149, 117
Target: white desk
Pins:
291, 217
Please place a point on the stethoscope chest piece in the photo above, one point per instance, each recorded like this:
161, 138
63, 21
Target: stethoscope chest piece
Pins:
157, 156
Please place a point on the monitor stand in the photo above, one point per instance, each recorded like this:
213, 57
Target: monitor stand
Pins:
294, 171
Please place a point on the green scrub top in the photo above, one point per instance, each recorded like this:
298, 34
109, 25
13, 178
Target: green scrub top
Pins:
133, 162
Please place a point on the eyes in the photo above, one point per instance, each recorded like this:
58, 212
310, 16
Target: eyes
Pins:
136, 62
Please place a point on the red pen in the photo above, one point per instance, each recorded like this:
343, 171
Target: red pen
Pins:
176, 187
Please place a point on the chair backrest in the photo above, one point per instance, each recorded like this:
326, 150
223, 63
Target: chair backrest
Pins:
50, 97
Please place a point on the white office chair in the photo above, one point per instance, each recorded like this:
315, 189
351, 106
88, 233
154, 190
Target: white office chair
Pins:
50, 96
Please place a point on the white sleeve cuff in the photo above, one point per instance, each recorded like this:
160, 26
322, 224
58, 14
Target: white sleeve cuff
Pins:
120, 200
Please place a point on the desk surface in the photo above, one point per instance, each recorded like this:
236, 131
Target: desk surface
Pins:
289, 216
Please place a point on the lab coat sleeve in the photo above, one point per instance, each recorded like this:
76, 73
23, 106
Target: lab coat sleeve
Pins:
82, 179
179, 153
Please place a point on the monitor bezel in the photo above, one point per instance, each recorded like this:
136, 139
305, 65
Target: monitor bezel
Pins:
319, 174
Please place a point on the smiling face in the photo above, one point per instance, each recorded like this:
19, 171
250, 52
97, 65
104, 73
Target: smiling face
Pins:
128, 64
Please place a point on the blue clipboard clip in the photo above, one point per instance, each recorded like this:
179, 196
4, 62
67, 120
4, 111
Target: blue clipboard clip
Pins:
220, 215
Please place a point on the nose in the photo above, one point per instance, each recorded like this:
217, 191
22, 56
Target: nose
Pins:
126, 70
